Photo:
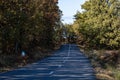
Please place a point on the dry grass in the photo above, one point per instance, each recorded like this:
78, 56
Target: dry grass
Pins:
8, 62
105, 69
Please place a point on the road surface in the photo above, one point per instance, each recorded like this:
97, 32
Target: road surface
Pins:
67, 63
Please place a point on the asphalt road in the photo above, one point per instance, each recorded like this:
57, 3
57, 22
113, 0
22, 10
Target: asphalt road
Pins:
67, 63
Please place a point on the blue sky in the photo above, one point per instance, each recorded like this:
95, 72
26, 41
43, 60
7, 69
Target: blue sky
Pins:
69, 8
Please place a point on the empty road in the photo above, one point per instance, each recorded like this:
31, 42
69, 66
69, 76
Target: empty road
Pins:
67, 63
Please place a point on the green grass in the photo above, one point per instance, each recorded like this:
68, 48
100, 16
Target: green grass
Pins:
117, 75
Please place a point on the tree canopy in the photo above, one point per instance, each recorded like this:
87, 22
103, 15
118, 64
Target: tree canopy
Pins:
25, 24
99, 23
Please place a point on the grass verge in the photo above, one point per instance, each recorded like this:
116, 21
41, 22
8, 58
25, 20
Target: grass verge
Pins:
107, 67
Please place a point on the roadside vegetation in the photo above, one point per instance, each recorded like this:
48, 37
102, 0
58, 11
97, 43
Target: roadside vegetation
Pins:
98, 34
35, 27
29, 26
105, 63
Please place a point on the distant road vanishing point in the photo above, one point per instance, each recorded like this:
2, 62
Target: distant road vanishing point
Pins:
67, 63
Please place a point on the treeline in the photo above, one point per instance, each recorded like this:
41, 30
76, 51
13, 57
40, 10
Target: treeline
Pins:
26, 24
98, 26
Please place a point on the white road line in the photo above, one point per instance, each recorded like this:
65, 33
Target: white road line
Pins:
60, 66
67, 54
69, 50
51, 72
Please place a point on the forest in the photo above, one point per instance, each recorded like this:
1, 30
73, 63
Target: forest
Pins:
28, 25
99, 24
98, 32
35, 27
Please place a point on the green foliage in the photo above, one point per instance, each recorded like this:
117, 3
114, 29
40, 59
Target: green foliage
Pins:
26, 24
117, 75
115, 71
99, 23
69, 32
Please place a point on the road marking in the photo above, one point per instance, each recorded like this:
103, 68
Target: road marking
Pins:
67, 54
60, 66
53, 67
51, 72
69, 50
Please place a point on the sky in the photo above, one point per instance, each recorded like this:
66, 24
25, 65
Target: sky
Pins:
69, 9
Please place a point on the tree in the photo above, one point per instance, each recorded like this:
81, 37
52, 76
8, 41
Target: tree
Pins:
99, 23
27, 23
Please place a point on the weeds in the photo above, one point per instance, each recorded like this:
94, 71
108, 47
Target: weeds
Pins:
105, 67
